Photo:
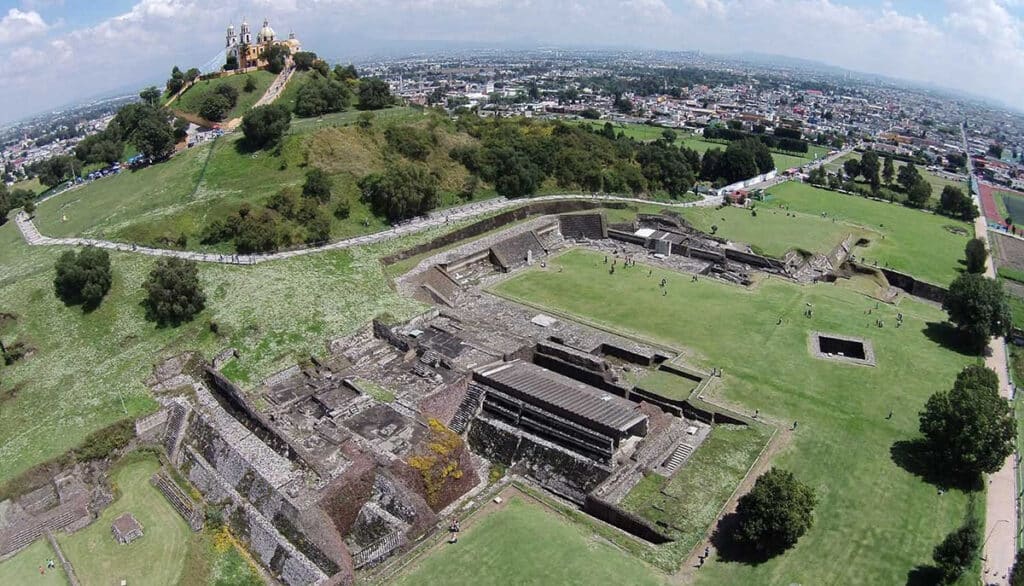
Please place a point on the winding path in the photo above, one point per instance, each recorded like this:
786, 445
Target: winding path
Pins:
33, 237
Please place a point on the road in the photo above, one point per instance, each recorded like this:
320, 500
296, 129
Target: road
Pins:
33, 237
1000, 546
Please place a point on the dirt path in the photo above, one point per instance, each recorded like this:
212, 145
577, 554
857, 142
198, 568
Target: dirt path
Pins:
1000, 543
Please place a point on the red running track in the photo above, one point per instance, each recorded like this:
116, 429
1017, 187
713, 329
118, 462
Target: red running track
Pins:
988, 204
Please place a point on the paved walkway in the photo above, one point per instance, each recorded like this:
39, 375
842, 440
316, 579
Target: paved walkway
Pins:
1000, 546
438, 218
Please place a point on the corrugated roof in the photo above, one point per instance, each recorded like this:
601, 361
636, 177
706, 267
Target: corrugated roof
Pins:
554, 390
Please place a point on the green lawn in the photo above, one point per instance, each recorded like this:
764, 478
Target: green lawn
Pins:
191, 100
771, 230
690, 501
156, 558
667, 384
937, 182
923, 244
525, 543
32, 185
23, 568
874, 521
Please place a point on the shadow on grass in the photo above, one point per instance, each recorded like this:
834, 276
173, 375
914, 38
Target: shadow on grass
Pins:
946, 335
730, 550
915, 456
924, 576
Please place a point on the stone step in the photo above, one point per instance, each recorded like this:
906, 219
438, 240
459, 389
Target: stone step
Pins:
679, 455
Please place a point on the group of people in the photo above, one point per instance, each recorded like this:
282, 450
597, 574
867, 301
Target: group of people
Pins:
453, 531
50, 564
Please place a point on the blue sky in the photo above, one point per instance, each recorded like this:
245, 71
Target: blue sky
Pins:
56, 51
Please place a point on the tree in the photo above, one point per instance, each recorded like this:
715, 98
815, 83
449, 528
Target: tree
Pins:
669, 135
317, 185
404, 190
214, 107
957, 552
342, 209
229, 92
969, 429
919, 193
258, 232
250, 84
304, 60
955, 203
978, 307
976, 254
908, 176
266, 125
83, 278
775, 513
231, 63
173, 292
374, 94
176, 81
319, 95
154, 137
1017, 573
888, 170
995, 150
276, 57
851, 167
29, 207
150, 95
346, 73
870, 169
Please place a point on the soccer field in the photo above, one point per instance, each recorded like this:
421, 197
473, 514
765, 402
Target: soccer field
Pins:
875, 521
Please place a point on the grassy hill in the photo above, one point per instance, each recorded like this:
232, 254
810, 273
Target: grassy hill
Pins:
189, 101
160, 204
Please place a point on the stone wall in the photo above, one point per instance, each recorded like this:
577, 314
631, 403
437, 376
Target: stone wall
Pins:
151, 428
500, 220
913, 286
623, 519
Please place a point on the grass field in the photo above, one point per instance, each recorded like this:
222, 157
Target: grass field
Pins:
875, 521
85, 364
525, 543
32, 185
156, 558
667, 384
771, 230
23, 568
937, 182
191, 100
690, 501
925, 245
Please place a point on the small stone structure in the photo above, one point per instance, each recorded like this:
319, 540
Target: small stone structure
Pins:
126, 528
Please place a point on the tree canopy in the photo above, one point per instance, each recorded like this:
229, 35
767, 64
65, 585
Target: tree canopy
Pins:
969, 429
83, 278
957, 552
374, 94
265, 125
955, 203
775, 513
976, 254
317, 185
402, 191
173, 292
978, 307
319, 95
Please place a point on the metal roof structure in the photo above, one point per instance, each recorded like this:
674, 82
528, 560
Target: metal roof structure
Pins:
563, 396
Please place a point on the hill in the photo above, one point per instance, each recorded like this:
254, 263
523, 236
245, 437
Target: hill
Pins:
191, 101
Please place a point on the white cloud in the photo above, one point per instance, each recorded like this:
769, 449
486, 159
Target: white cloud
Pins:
18, 25
977, 45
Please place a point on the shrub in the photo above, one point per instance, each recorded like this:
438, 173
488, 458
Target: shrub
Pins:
104, 442
775, 513
83, 278
409, 141
173, 292
265, 125
317, 186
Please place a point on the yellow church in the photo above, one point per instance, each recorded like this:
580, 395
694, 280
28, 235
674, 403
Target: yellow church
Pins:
247, 52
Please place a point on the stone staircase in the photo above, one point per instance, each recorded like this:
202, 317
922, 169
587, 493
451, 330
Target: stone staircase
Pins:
678, 457
468, 409
27, 533
181, 502
431, 358
378, 550
176, 422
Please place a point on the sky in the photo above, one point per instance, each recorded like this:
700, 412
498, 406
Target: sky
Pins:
54, 52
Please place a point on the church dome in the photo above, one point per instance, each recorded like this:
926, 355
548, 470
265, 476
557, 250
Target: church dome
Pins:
267, 33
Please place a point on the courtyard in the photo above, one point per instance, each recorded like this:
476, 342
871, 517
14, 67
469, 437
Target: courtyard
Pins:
876, 519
